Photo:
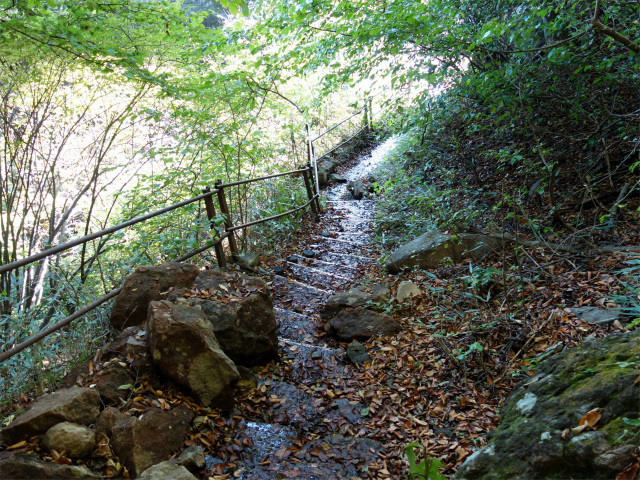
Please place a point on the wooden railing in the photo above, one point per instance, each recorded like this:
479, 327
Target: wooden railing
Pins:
308, 172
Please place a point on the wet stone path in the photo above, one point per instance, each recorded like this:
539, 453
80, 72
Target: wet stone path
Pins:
301, 429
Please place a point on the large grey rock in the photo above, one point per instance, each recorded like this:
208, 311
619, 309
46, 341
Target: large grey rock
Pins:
109, 418
248, 379
325, 168
595, 314
147, 284
339, 178
431, 248
360, 323
109, 384
150, 439
192, 458
529, 443
406, 290
184, 347
362, 296
357, 353
28, 467
246, 327
167, 471
248, 261
131, 340
356, 188
75, 404
77, 440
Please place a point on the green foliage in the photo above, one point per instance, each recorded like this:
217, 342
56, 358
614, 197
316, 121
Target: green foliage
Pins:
474, 347
629, 298
427, 469
419, 193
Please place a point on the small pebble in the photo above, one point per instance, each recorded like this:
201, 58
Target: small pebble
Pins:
317, 355
278, 270
308, 254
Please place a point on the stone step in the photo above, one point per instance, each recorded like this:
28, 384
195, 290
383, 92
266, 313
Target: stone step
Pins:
301, 266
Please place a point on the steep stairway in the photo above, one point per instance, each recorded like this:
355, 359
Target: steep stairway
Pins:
304, 432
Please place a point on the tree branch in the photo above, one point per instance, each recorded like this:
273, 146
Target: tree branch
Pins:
275, 92
546, 47
634, 47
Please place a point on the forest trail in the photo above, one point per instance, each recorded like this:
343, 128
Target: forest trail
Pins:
300, 430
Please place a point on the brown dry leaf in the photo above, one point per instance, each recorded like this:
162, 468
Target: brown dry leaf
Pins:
60, 458
21, 444
588, 421
637, 381
282, 453
629, 473
591, 418
462, 452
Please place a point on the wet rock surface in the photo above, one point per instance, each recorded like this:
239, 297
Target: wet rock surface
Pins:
299, 430
538, 438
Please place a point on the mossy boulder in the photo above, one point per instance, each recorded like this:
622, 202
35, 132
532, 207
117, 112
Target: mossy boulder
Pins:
529, 442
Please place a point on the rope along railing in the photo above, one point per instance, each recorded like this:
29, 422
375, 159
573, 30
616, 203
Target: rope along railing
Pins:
309, 173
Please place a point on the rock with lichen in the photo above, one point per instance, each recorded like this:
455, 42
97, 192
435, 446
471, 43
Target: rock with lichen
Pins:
539, 434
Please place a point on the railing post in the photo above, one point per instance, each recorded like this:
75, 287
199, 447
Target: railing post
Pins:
211, 215
224, 208
307, 185
367, 122
311, 159
370, 102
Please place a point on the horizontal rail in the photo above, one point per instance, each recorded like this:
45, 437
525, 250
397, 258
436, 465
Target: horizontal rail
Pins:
113, 293
250, 180
195, 252
92, 236
338, 124
342, 144
57, 326
262, 220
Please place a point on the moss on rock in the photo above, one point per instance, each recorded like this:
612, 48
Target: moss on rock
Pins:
529, 444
